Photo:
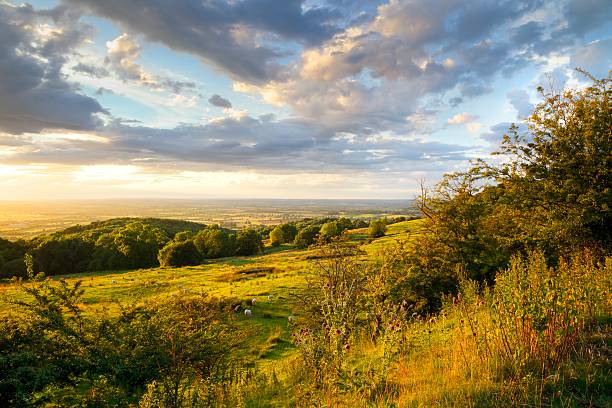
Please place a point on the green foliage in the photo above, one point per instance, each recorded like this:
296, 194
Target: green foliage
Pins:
54, 353
214, 242
551, 193
248, 242
63, 255
283, 234
133, 246
540, 313
179, 253
330, 230
11, 256
306, 236
377, 228
558, 175
325, 336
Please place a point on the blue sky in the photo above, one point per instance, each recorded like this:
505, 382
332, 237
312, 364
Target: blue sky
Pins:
274, 98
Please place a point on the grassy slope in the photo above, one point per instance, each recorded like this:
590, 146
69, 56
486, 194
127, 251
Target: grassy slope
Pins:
279, 272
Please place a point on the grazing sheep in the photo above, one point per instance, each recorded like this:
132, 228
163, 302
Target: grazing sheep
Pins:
253, 301
247, 312
269, 297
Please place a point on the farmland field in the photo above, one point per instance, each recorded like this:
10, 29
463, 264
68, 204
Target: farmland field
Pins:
27, 219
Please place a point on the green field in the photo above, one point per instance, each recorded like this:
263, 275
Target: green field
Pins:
273, 278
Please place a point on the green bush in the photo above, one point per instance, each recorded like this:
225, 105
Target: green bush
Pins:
306, 236
248, 242
181, 253
377, 228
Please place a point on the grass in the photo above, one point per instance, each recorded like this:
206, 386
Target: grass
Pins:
280, 272
442, 363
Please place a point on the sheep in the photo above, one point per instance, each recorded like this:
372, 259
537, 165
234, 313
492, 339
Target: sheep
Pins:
253, 301
113, 281
290, 318
248, 313
269, 297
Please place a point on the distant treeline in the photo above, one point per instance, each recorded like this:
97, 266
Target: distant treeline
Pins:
130, 243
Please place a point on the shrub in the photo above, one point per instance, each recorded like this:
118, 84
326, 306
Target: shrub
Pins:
327, 333
306, 236
248, 242
377, 228
214, 242
181, 253
283, 234
330, 230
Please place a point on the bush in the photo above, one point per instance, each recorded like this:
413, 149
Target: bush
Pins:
53, 352
215, 243
306, 236
377, 228
282, 234
248, 242
330, 230
181, 253
334, 302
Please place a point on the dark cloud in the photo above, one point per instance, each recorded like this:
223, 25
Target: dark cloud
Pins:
101, 91
34, 94
246, 143
586, 15
91, 70
219, 101
455, 101
212, 30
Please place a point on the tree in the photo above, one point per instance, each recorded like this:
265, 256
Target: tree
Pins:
330, 230
61, 255
377, 228
248, 242
134, 245
306, 236
214, 242
550, 193
282, 234
179, 253
558, 174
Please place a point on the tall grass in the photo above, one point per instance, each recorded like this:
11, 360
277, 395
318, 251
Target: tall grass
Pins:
539, 337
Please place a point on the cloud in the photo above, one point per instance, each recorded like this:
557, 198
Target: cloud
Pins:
519, 99
91, 70
461, 118
242, 143
121, 56
217, 100
205, 29
34, 94
595, 57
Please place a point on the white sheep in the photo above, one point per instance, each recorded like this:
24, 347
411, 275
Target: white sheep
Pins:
290, 318
269, 297
247, 312
253, 301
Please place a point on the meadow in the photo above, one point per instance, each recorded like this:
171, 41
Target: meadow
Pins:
497, 296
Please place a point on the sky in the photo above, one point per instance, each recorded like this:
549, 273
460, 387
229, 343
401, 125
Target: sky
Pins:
274, 98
